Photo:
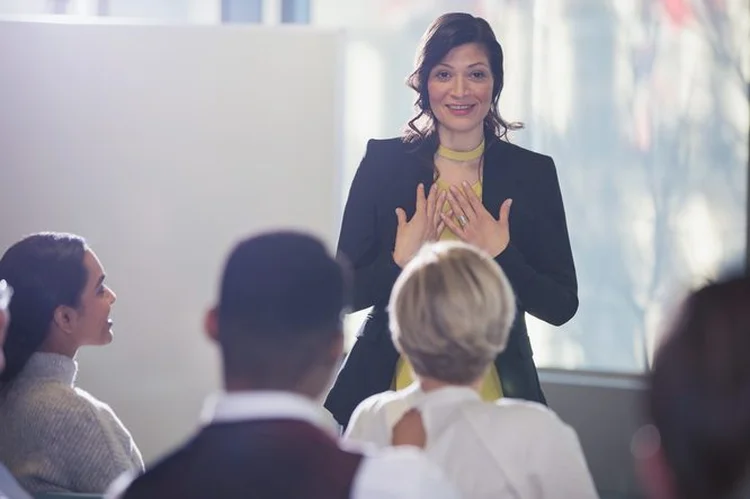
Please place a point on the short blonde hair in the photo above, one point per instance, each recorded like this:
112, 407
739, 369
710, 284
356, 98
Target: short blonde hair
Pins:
451, 311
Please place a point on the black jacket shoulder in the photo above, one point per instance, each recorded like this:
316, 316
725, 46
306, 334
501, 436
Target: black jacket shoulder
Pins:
518, 153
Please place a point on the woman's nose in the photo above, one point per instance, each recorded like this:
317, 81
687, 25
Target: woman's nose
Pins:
459, 87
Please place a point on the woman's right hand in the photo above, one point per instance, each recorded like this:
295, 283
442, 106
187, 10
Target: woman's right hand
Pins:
426, 225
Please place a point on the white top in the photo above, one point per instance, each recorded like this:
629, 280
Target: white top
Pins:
507, 449
387, 474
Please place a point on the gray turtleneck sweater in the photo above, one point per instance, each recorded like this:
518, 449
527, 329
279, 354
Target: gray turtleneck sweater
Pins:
55, 437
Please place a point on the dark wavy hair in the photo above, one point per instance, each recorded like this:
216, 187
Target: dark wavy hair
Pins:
699, 391
46, 270
444, 34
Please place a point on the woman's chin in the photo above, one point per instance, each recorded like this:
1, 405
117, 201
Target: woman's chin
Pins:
460, 126
108, 336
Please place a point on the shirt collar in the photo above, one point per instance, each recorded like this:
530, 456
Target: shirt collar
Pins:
43, 365
232, 407
442, 396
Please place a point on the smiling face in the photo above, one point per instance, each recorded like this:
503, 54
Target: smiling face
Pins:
460, 90
92, 324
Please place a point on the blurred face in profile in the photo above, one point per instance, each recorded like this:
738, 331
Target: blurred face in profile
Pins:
5, 294
95, 325
460, 89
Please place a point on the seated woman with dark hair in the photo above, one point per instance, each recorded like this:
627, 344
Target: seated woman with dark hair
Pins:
451, 311
55, 437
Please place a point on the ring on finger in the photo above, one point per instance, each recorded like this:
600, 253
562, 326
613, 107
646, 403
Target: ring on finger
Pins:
462, 220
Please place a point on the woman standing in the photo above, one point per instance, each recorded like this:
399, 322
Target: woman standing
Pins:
466, 176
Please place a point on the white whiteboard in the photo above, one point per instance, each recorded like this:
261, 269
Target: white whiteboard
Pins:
163, 145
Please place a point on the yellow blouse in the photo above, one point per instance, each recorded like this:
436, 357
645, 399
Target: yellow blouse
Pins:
491, 387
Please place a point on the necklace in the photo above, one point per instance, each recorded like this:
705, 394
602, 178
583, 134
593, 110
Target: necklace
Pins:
461, 155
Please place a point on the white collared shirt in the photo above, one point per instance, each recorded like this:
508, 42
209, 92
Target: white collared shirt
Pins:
507, 449
383, 474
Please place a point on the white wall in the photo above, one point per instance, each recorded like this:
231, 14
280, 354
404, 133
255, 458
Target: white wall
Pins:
194, 11
163, 146
16, 7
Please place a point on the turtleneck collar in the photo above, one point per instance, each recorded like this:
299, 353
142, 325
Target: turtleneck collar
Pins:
50, 366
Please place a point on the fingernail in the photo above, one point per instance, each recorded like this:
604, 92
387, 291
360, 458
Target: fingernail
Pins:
466, 184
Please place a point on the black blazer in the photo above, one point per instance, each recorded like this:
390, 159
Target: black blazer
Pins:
261, 459
538, 261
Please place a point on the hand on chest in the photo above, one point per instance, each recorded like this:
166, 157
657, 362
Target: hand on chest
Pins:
449, 208
458, 189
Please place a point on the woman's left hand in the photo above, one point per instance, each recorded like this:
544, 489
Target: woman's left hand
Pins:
472, 223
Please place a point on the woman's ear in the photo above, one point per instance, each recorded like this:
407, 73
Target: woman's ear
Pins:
211, 324
65, 318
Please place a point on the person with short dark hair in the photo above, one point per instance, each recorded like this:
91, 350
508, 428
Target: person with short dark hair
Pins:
54, 436
697, 442
278, 324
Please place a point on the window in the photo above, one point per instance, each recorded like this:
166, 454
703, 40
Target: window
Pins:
643, 105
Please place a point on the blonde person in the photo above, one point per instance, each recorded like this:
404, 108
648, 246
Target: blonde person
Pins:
451, 311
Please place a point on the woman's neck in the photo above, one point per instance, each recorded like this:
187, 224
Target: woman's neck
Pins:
461, 141
428, 384
53, 344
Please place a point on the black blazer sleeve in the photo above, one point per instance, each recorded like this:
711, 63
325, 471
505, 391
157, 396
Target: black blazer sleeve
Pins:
542, 271
375, 272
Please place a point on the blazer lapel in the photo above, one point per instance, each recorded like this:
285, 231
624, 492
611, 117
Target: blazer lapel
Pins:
496, 183
425, 165
419, 164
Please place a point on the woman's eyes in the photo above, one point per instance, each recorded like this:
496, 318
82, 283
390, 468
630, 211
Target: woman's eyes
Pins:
475, 75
